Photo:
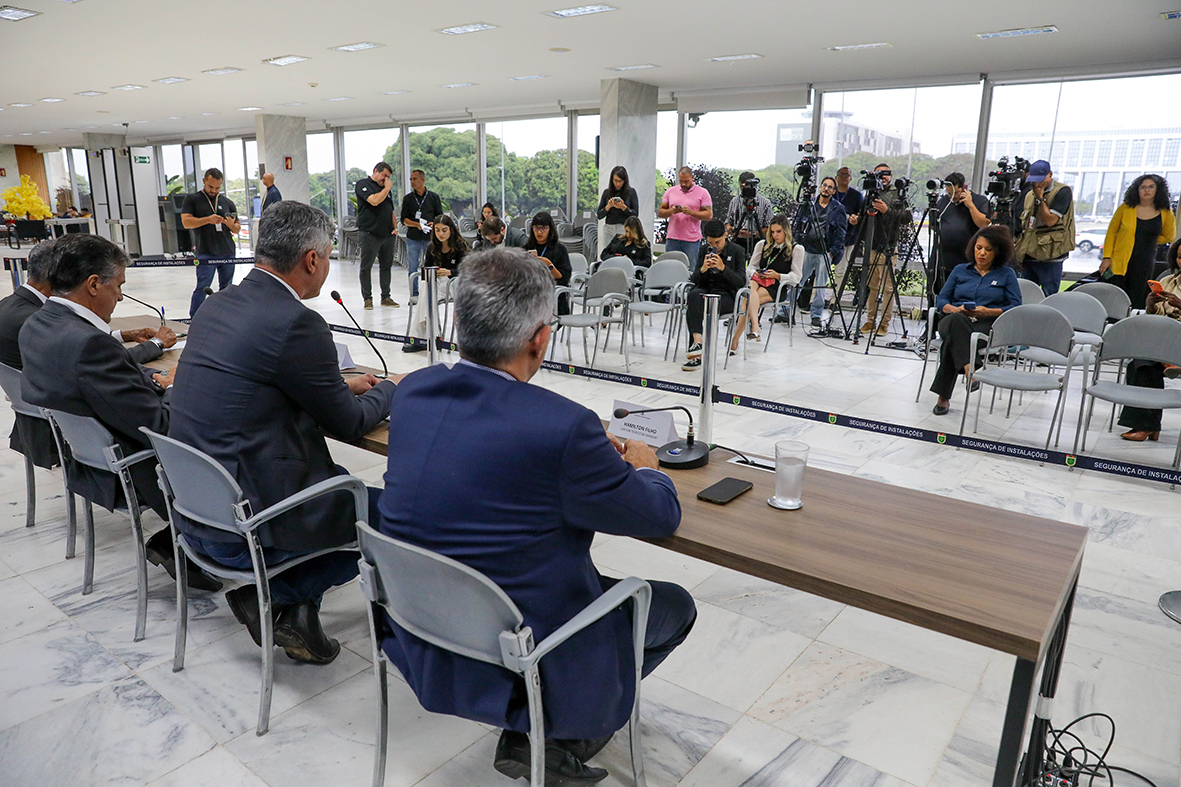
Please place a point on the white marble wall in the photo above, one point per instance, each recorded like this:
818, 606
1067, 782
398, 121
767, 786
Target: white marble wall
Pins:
12, 176
280, 136
627, 136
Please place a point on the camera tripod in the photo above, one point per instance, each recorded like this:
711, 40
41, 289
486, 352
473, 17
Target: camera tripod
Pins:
750, 222
863, 247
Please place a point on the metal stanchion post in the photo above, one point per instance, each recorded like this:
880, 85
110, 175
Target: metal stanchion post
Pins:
430, 301
709, 343
18, 277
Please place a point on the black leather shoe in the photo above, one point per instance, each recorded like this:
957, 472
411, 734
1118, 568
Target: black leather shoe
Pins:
243, 602
940, 410
158, 550
561, 767
298, 632
414, 348
584, 750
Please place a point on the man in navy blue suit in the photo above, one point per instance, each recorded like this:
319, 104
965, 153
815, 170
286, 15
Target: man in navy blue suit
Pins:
514, 481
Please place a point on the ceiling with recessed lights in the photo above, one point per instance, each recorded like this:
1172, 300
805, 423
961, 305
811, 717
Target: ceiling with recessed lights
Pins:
172, 70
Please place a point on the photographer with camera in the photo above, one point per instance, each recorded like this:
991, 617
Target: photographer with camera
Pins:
1047, 223
883, 200
960, 214
820, 229
749, 202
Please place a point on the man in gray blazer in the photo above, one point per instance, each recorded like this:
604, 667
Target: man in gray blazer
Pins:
72, 363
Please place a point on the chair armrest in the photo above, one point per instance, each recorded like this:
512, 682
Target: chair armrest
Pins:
614, 297
135, 458
337, 483
577, 278
600, 607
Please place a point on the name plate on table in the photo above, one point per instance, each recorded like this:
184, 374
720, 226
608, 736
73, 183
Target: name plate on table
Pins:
653, 428
343, 357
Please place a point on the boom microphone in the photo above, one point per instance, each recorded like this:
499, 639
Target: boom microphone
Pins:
150, 306
679, 454
385, 369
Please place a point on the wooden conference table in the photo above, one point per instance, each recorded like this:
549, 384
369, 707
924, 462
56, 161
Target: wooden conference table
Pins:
996, 578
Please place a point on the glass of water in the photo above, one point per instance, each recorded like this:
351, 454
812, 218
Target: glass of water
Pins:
791, 457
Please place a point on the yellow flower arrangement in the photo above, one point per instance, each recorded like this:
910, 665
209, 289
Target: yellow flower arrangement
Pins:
24, 200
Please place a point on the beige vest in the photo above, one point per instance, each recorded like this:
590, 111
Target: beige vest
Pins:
1039, 242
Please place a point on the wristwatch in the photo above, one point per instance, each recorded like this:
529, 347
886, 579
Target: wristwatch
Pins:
156, 340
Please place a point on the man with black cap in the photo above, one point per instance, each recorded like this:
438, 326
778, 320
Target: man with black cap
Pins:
1047, 223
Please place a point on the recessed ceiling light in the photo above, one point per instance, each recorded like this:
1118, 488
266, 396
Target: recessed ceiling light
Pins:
292, 104
729, 58
44, 132
52, 100
143, 121
170, 80
360, 46
173, 117
340, 98
20, 104
91, 93
14, 14
128, 87
246, 109
284, 60
1024, 31
461, 29
532, 76
582, 10
457, 84
393, 92
1171, 15
206, 114
848, 47
559, 49
26, 133
638, 67
217, 72
69, 1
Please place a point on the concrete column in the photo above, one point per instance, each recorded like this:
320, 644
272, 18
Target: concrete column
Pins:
280, 136
627, 137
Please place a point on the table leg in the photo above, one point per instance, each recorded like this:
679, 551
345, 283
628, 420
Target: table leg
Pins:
1008, 759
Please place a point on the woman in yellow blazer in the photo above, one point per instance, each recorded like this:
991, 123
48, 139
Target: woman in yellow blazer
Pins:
1139, 225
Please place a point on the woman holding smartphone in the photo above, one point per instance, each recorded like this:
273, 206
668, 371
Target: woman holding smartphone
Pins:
1139, 225
543, 243
631, 244
618, 203
974, 295
775, 262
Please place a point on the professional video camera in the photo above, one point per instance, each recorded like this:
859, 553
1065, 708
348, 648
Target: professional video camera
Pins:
1004, 188
750, 190
807, 169
936, 184
871, 185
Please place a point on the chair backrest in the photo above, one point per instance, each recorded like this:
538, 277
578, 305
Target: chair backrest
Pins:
1084, 311
1031, 292
675, 255
90, 442
1036, 325
435, 598
466, 224
666, 273
622, 263
565, 229
1113, 298
202, 490
606, 281
578, 263
518, 222
10, 381
590, 229
1152, 337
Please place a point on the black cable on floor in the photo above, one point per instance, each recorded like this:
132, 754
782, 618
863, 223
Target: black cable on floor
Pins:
1068, 760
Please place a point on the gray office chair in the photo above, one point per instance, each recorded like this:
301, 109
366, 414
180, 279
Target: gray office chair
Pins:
91, 444
674, 255
1113, 298
198, 488
454, 607
787, 296
668, 278
1149, 337
1035, 325
606, 288
1031, 292
10, 382
741, 300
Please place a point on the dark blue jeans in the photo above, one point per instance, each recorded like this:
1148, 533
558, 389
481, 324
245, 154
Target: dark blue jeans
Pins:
670, 619
305, 582
1047, 275
205, 271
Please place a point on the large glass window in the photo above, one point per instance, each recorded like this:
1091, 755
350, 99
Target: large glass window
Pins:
534, 174
322, 172
362, 151
174, 169
666, 151
588, 170
447, 155
81, 178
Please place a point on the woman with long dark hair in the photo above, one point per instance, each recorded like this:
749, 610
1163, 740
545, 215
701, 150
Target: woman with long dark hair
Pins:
543, 243
632, 244
447, 247
1139, 225
975, 294
618, 203
486, 212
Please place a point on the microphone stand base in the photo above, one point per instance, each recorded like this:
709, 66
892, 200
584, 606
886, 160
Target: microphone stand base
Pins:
679, 455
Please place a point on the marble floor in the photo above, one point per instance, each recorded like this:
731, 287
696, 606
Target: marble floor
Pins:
774, 687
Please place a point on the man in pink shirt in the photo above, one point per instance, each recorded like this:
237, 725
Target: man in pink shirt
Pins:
685, 206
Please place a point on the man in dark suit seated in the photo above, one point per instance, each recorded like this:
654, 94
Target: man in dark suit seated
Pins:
514, 481
31, 435
258, 385
72, 363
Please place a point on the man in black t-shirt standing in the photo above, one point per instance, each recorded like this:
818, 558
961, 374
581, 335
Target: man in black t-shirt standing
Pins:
375, 220
961, 213
213, 221
419, 210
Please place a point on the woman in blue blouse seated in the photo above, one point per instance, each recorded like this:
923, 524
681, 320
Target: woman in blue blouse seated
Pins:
974, 296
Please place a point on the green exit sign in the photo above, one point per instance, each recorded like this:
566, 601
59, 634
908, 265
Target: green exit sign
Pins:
141, 159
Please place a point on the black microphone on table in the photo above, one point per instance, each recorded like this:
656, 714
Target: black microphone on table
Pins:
679, 454
385, 370
159, 312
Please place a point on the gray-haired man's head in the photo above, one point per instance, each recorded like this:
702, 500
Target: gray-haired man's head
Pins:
288, 231
38, 262
505, 297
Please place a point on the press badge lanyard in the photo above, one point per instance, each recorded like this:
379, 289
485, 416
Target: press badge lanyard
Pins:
213, 206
